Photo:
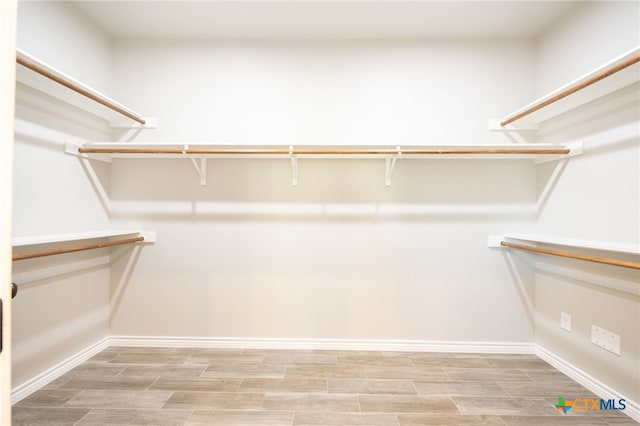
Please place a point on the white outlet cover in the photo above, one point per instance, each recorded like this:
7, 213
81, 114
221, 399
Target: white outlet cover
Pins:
565, 321
605, 339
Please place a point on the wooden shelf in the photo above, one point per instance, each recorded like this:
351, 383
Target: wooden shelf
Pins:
608, 253
604, 246
41, 76
33, 246
110, 150
622, 71
35, 240
106, 151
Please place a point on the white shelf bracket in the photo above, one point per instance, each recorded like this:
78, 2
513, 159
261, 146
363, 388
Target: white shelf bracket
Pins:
200, 169
294, 167
149, 237
494, 241
390, 164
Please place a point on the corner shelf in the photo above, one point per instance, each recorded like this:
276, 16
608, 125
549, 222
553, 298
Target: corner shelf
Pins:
43, 77
578, 243
626, 251
620, 72
45, 245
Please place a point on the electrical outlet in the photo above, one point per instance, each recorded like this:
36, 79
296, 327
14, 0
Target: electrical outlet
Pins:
565, 321
605, 339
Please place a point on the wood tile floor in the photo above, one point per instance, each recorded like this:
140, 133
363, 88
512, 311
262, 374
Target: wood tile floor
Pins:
170, 386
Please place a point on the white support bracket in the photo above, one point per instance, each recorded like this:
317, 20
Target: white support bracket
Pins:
149, 237
494, 241
294, 166
575, 148
390, 164
201, 169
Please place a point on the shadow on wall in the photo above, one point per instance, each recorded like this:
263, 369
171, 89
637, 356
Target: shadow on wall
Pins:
613, 280
123, 263
605, 114
54, 116
348, 189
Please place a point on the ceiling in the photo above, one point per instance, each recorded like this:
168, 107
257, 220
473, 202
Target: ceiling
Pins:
323, 19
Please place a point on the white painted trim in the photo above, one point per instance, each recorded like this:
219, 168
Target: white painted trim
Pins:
27, 388
326, 344
588, 381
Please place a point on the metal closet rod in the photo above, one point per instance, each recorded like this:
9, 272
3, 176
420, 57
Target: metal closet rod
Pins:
42, 253
570, 255
573, 89
320, 151
77, 88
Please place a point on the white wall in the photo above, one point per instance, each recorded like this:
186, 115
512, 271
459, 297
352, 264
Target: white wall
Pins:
340, 256
597, 197
63, 301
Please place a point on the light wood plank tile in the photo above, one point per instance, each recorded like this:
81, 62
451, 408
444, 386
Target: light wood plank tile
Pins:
48, 398
626, 421
454, 362
324, 371
520, 362
30, 416
108, 382
104, 356
437, 420
311, 402
445, 387
245, 371
150, 350
411, 373
486, 374
295, 358
552, 421
97, 369
119, 399
343, 419
217, 358
374, 360
546, 390
406, 404
215, 400
372, 386
168, 370
150, 358
504, 406
128, 416
196, 384
544, 375
241, 418
283, 385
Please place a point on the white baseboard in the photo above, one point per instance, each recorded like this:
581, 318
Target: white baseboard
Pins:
27, 388
588, 381
326, 344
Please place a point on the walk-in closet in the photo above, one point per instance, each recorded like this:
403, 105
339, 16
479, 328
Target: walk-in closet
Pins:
320, 212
